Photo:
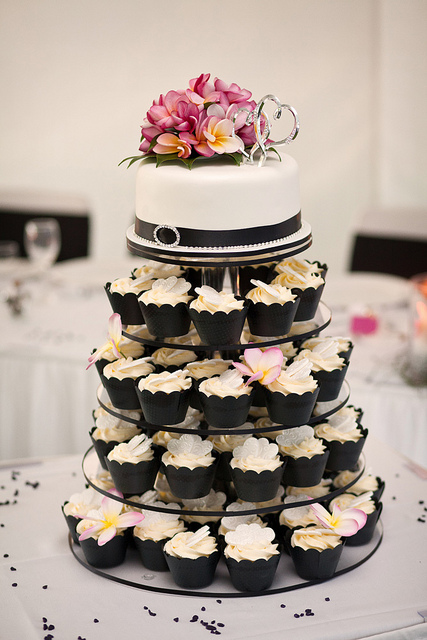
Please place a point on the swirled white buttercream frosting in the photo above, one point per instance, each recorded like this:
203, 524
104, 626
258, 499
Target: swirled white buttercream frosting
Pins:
82, 503
294, 280
346, 430
230, 523
211, 300
170, 291
128, 348
315, 538
270, 293
300, 265
157, 270
325, 407
229, 383
343, 343
317, 491
266, 422
189, 451
229, 441
165, 381
366, 482
250, 542
300, 516
138, 449
191, 545
131, 285
214, 501
166, 357
207, 368
300, 442
256, 454
157, 525
323, 357
128, 368
295, 378
350, 501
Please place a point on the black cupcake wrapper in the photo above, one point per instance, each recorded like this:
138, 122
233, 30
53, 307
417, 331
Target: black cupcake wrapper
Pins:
305, 472
292, 410
344, 455
226, 412
252, 576
102, 448
330, 383
309, 301
133, 479
311, 564
193, 574
151, 554
162, 408
223, 472
72, 523
219, 328
345, 355
251, 486
364, 535
109, 555
166, 320
126, 306
121, 392
272, 319
189, 484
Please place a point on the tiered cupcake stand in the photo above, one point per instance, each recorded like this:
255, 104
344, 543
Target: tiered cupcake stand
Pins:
132, 572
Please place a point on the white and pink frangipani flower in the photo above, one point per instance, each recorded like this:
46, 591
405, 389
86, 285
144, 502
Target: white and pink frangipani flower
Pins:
213, 135
344, 523
109, 519
264, 366
114, 336
170, 143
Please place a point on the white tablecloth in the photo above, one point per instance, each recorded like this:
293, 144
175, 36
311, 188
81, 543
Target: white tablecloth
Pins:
386, 597
47, 396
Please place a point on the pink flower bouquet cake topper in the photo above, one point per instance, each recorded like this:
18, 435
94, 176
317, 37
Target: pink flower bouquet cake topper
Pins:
206, 119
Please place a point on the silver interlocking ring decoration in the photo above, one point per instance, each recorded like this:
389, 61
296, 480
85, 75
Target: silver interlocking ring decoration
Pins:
257, 118
166, 244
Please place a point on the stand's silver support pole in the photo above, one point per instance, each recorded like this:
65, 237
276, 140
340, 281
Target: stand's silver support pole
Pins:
235, 280
213, 277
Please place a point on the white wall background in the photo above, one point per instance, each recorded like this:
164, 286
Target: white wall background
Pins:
77, 78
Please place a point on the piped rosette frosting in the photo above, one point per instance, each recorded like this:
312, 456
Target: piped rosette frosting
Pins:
128, 368
300, 265
366, 482
316, 538
110, 428
191, 545
229, 441
293, 279
156, 270
296, 378
229, 383
212, 301
126, 285
207, 368
340, 428
363, 501
250, 542
300, 442
189, 451
214, 501
158, 525
165, 381
231, 522
270, 293
323, 357
171, 291
256, 454
83, 502
297, 516
138, 449
168, 357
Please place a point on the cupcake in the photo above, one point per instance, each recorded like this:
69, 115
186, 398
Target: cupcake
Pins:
170, 359
78, 505
251, 557
214, 501
225, 399
327, 367
123, 296
256, 469
164, 307
164, 397
290, 398
272, 309
368, 505
345, 346
366, 482
224, 446
133, 465
201, 370
297, 515
189, 466
323, 408
110, 430
249, 273
162, 438
152, 533
305, 454
192, 558
300, 265
158, 270
344, 438
315, 552
102, 532
218, 316
119, 377
232, 521
309, 287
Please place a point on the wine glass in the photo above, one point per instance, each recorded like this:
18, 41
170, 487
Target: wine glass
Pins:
42, 241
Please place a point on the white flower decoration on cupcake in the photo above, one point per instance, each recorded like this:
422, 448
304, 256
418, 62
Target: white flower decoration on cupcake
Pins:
295, 436
259, 448
190, 445
177, 286
250, 535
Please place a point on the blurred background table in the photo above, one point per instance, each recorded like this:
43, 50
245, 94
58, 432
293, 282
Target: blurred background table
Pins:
47, 396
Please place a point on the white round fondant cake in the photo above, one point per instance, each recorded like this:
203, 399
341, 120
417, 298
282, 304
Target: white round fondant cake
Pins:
218, 208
